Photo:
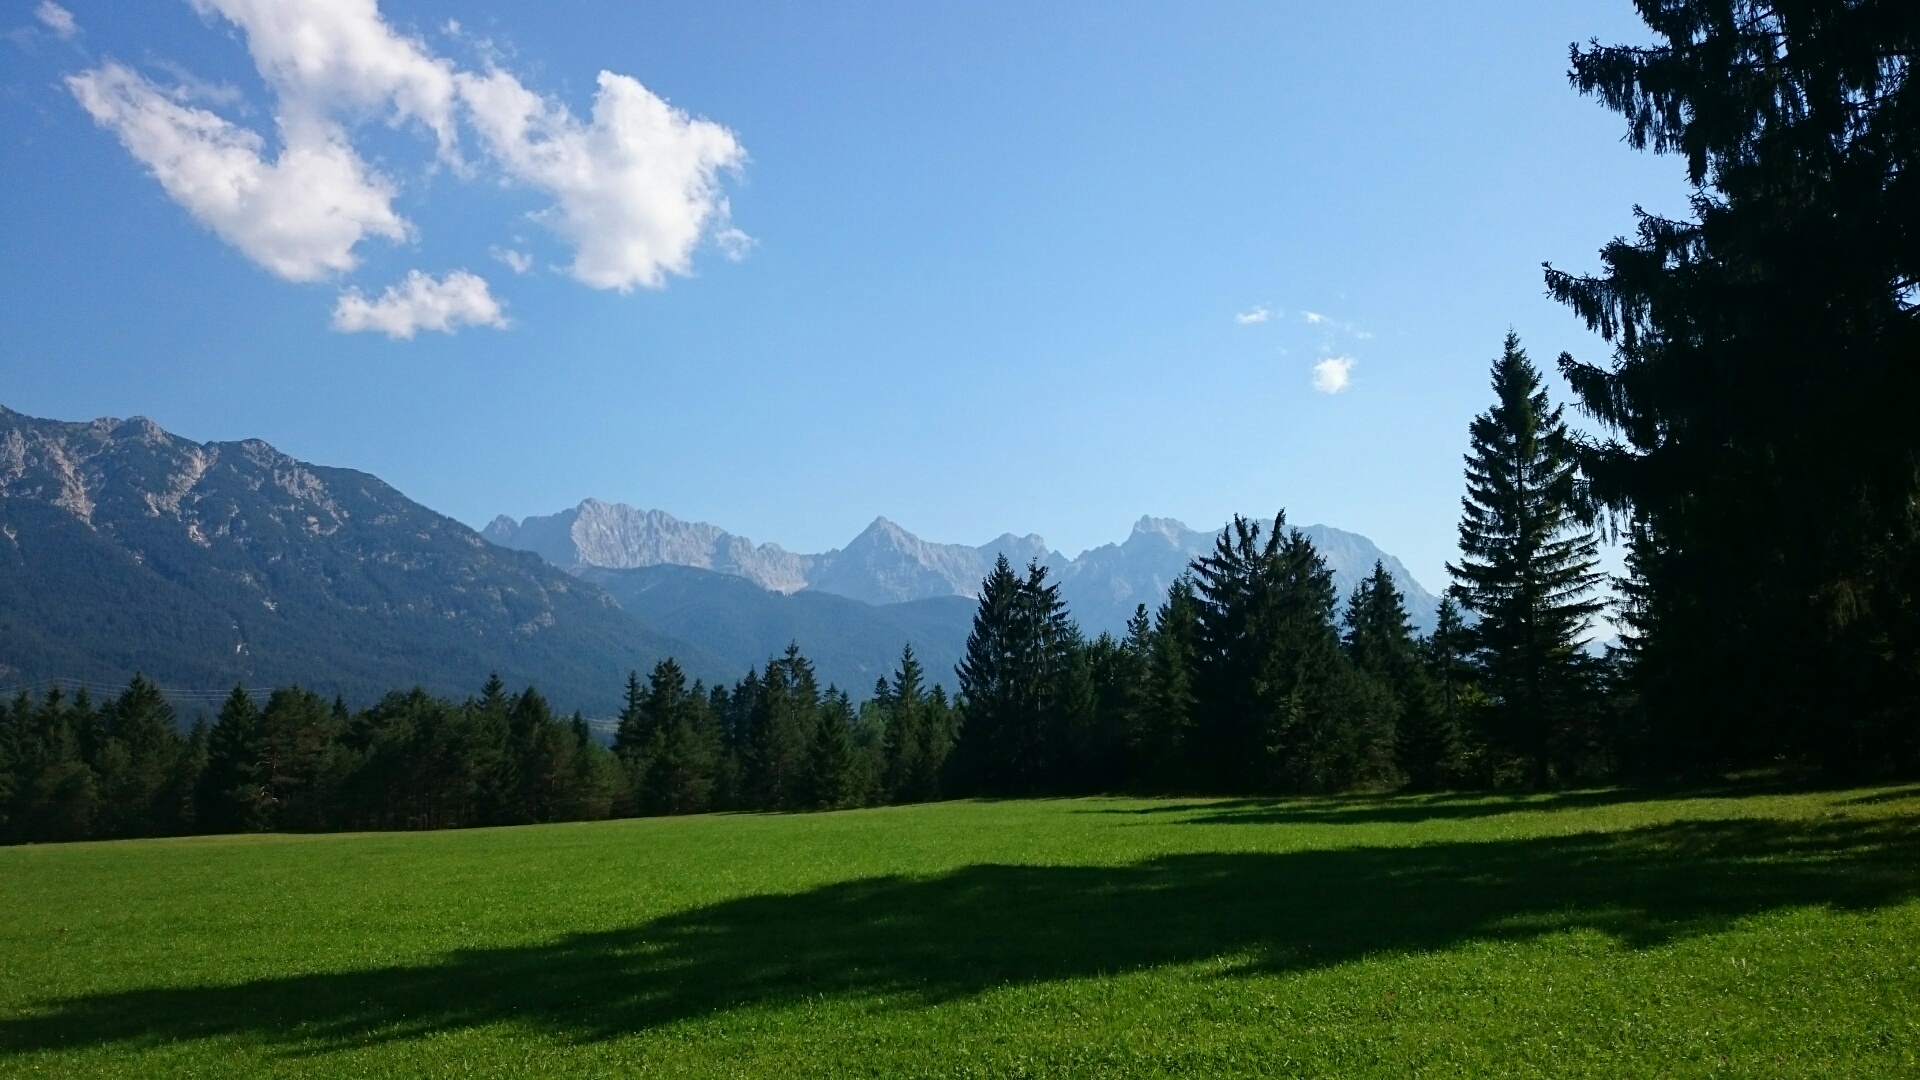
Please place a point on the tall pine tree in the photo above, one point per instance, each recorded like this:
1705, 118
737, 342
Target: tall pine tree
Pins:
1526, 568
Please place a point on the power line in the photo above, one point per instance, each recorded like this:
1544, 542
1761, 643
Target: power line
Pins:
114, 689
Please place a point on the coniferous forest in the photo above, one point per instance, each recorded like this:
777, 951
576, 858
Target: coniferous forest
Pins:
1750, 439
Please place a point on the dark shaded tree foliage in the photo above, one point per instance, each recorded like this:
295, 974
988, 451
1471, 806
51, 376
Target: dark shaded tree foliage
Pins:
1381, 643
1026, 690
1758, 408
1280, 705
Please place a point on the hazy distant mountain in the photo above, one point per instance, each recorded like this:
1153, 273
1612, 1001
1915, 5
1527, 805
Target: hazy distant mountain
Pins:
124, 548
886, 564
851, 643
618, 537
1103, 585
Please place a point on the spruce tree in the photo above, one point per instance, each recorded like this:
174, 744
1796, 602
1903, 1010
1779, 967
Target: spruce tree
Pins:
1526, 567
495, 780
597, 776
906, 738
1027, 690
55, 791
831, 781
547, 750
1760, 399
631, 733
139, 766
232, 795
1279, 704
1119, 670
1380, 640
679, 752
297, 729
635, 734
779, 716
1164, 719
1448, 656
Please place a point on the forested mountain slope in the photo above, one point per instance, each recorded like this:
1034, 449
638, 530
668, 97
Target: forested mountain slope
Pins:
124, 548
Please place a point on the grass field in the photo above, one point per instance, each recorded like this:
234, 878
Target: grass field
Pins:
1586, 934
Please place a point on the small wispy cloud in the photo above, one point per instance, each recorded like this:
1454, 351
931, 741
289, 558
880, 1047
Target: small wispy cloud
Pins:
1258, 314
1315, 318
421, 303
518, 261
189, 88
734, 244
1330, 376
57, 19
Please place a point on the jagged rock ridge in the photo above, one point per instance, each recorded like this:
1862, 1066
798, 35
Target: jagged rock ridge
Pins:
615, 536
886, 564
124, 548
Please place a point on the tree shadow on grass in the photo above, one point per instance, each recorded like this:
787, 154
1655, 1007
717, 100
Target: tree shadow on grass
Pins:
1899, 794
1411, 809
917, 941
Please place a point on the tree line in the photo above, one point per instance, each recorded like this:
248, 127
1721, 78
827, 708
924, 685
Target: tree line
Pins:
776, 740
1252, 676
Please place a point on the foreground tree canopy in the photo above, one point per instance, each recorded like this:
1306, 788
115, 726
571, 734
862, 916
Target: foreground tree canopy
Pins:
1761, 450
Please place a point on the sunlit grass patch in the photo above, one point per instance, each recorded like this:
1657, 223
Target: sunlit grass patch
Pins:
1585, 933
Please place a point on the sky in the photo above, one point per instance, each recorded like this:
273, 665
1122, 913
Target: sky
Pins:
980, 268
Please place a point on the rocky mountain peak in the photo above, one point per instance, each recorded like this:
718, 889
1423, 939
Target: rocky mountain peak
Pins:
209, 563
888, 564
1165, 529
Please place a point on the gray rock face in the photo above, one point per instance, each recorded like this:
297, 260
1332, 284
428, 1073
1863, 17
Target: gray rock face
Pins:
886, 564
124, 548
615, 536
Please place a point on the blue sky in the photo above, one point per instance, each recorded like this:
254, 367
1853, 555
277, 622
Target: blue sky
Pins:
977, 267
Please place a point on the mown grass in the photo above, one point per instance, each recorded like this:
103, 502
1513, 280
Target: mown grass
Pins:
1606, 933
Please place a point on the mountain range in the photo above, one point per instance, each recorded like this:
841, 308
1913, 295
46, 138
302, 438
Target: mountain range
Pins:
886, 564
125, 548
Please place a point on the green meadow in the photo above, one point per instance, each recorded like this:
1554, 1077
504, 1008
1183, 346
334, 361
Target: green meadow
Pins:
1601, 933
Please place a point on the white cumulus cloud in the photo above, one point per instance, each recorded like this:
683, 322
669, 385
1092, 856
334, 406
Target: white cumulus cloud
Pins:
324, 56
299, 215
636, 187
421, 303
1330, 376
57, 19
1256, 315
